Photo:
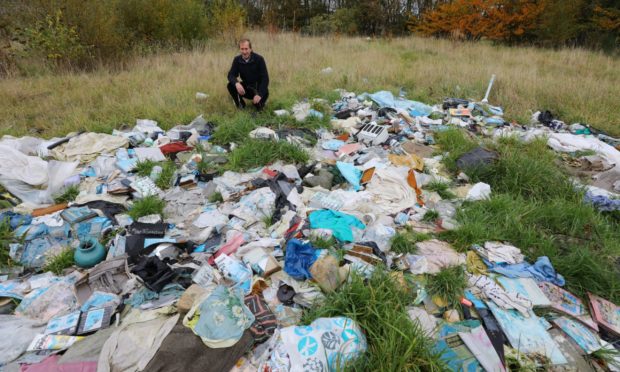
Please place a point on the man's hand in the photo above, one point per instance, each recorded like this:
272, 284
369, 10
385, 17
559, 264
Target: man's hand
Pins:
257, 99
240, 89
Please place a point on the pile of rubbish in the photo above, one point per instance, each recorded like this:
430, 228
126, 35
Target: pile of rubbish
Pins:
178, 266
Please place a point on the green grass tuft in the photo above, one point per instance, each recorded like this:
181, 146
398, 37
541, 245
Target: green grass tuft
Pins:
147, 206
233, 129
216, 197
60, 261
449, 285
321, 243
68, 195
256, 153
166, 177
379, 306
6, 237
404, 241
456, 143
582, 153
268, 220
441, 188
205, 164
608, 355
144, 168
430, 216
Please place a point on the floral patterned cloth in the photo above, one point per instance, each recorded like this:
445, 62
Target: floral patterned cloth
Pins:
221, 318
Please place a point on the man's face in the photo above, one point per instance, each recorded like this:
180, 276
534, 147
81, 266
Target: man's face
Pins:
245, 50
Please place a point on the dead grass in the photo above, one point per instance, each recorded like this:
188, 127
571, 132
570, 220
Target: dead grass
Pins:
579, 85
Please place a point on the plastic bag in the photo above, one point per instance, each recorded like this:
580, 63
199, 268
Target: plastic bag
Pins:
298, 259
380, 234
104, 165
57, 173
21, 332
46, 303
479, 191
350, 173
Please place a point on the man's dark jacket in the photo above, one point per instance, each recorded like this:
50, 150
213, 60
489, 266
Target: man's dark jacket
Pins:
253, 73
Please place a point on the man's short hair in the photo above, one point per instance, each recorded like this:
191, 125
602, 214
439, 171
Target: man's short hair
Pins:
245, 41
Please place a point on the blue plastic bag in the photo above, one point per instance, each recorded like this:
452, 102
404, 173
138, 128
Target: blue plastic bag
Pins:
298, 259
350, 173
339, 223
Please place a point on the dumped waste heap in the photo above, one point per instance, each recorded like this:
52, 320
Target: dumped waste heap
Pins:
294, 249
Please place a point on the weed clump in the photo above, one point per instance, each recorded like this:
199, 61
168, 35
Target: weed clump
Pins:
147, 206
379, 306
164, 181
68, 195
216, 197
60, 261
322, 243
441, 188
430, 216
168, 169
6, 237
144, 168
235, 130
456, 144
254, 153
404, 241
448, 285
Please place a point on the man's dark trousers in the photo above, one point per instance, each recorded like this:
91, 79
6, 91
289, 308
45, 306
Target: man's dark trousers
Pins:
250, 92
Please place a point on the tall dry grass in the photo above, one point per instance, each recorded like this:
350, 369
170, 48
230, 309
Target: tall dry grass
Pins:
578, 85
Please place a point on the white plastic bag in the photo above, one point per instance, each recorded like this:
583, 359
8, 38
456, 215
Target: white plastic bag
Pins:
56, 173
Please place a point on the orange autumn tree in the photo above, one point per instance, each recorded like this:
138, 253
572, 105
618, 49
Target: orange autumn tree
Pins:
501, 20
607, 19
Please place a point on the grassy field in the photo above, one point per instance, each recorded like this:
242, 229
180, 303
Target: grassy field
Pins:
578, 85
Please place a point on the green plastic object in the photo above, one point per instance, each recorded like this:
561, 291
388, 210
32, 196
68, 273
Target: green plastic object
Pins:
89, 253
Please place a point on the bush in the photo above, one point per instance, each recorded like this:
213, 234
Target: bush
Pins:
69, 34
55, 41
342, 21
164, 20
322, 24
99, 26
225, 19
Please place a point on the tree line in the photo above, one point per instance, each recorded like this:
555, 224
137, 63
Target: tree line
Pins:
82, 34
589, 23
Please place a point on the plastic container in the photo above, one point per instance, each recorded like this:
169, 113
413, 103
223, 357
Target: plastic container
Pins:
89, 253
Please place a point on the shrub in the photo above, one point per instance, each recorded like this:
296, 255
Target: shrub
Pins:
225, 19
342, 21
55, 41
164, 20
99, 25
